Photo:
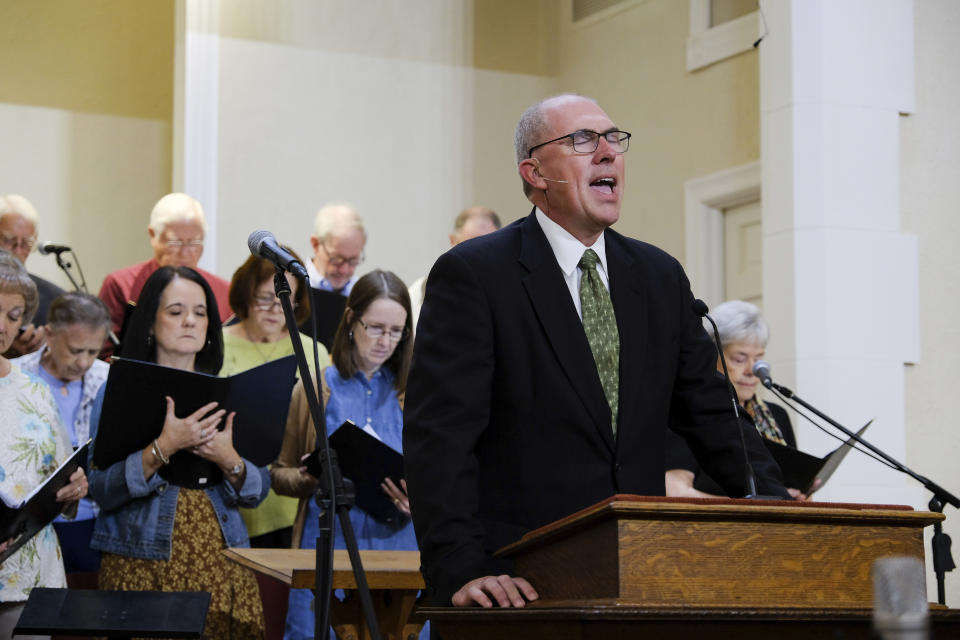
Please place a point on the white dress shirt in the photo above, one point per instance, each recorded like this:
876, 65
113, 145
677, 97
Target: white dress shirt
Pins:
568, 251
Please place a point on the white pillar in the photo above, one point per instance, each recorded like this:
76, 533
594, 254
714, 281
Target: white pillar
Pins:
840, 279
196, 111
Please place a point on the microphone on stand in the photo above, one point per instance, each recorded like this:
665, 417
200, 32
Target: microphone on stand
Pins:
46, 248
700, 308
761, 369
263, 245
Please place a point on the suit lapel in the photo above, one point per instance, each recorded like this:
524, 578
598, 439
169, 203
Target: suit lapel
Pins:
551, 302
628, 293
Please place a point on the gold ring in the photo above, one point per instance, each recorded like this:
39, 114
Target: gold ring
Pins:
396, 501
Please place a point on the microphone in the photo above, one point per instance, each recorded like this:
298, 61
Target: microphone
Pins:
263, 245
761, 369
545, 177
900, 609
47, 247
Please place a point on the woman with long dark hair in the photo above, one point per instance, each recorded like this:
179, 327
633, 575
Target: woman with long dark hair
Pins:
155, 535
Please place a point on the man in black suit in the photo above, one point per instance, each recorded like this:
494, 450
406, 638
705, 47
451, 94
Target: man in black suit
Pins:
512, 417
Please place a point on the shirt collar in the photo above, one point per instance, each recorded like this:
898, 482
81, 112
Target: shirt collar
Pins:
567, 249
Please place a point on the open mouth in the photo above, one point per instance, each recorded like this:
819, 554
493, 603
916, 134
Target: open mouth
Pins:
604, 185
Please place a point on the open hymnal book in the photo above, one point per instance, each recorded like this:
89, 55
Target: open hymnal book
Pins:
20, 520
806, 472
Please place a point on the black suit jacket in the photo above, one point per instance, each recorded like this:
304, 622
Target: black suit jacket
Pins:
506, 427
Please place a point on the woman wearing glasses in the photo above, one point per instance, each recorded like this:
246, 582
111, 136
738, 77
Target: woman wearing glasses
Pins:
371, 358
259, 336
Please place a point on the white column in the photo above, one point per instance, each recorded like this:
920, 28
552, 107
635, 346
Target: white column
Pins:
196, 111
840, 279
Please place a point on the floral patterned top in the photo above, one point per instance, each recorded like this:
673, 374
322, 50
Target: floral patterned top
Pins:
31, 447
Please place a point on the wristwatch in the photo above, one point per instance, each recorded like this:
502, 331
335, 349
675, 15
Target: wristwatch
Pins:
237, 468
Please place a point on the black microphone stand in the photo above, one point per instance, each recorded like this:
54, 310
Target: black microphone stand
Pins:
333, 497
65, 266
81, 286
940, 544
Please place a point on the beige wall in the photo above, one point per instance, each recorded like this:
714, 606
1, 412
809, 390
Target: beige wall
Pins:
85, 110
930, 197
380, 104
684, 125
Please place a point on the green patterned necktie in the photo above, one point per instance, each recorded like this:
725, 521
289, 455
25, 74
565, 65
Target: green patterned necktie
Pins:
600, 325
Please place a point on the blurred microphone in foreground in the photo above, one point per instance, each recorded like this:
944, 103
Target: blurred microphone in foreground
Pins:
900, 609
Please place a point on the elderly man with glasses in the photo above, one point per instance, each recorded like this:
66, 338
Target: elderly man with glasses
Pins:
550, 359
18, 235
177, 227
338, 242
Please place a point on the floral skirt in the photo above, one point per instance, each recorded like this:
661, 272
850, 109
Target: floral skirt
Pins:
196, 564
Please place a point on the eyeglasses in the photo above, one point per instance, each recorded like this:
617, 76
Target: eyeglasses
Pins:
268, 303
375, 331
338, 261
189, 245
13, 242
587, 141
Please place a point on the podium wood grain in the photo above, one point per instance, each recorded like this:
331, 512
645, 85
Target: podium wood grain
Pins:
716, 554
393, 576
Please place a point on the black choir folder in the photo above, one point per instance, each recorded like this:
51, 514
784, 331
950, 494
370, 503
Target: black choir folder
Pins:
134, 409
366, 461
802, 470
21, 520
326, 309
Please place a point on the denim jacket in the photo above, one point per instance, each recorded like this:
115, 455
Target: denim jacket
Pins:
136, 515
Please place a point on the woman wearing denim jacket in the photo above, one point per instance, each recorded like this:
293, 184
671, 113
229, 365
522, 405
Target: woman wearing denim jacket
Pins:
155, 535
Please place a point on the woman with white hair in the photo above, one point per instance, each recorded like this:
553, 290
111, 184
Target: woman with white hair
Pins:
744, 335
32, 446
177, 228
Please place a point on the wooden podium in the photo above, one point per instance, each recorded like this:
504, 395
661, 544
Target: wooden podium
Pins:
393, 577
707, 568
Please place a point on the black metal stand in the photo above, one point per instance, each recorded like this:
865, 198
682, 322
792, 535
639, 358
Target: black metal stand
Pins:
63, 264
81, 286
940, 545
332, 490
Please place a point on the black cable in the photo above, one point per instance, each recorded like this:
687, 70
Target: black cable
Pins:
832, 435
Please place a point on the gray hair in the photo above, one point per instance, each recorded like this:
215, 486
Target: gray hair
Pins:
17, 204
476, 212
739, 321
176, 207
77, 307
337, 218
15, 279
532, 127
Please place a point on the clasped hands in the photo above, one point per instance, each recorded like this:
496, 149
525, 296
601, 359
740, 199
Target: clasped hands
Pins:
199, 433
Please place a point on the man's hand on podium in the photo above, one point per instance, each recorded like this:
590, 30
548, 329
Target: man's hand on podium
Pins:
508, 592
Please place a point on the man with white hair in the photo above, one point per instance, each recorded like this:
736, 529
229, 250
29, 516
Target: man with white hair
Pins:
338, 241
18, 235
177, 227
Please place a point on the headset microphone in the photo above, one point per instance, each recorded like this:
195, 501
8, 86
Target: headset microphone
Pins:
546, 178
